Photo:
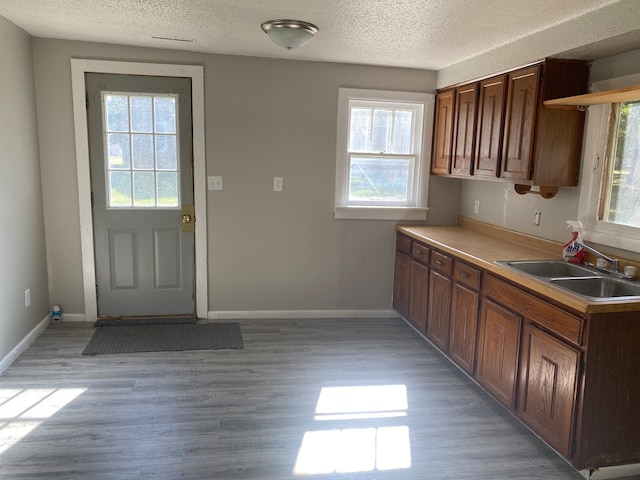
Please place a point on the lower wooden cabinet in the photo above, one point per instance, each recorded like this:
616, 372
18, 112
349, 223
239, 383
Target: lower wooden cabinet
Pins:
401, 281
419, 292
548, 385
567, 375
439, 308
498, 341
464, 319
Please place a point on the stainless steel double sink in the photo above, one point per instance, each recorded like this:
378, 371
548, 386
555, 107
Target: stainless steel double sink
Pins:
577, 279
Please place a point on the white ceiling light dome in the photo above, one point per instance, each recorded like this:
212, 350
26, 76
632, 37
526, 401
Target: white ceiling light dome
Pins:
289, 33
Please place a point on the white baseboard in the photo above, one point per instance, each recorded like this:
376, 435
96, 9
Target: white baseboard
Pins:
74, 317
6, 362
619, 471
253, 314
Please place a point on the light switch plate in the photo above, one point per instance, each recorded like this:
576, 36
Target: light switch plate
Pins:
277, 184
214, 183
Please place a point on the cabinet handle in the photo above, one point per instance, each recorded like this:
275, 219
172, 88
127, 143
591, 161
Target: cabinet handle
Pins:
418, 252
464, 274
439, 262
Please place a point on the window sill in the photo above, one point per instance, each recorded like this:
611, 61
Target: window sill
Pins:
380, 213
614, 240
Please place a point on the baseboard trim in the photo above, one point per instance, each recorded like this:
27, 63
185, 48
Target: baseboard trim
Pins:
318, 314
618, 471
6, 362
74, 317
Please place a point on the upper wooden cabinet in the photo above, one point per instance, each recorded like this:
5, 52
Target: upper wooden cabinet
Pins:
491, 104
464, 125
443, 133
515, 137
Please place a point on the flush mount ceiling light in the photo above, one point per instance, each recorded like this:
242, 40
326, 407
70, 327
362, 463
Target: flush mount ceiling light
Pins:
289, 33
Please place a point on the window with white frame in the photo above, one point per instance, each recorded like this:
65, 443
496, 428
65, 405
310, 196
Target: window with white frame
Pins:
140, 141
610, 194
381, 171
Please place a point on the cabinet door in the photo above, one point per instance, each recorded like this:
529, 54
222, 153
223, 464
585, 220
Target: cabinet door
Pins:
439, 309
519, 129
418, 298
464, 318
465, 130
498, 352
490, 126
443, 134
401, 278
548, 387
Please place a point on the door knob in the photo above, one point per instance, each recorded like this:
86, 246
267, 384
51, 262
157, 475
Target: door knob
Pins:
188, 218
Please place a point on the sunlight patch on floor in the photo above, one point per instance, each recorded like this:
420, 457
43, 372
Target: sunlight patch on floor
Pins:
364, 449
22, 411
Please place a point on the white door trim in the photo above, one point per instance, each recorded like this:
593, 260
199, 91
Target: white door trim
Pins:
78, 69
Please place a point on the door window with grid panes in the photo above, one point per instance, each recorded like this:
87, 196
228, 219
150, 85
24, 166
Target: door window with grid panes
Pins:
141, 139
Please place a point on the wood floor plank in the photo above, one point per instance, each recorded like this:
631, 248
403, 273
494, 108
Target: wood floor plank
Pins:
245, 414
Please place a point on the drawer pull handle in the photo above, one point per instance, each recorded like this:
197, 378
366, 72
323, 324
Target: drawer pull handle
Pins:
418, 252
464, 274
439, 262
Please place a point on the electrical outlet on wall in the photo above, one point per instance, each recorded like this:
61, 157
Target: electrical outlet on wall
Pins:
476, 207
277, 184
27, 297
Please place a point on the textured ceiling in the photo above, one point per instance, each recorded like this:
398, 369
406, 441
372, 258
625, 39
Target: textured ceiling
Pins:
424, 34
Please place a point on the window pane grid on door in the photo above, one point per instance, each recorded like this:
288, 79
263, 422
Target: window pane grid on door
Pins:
141, 142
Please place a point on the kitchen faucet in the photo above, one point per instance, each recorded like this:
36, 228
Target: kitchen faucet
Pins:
615, 263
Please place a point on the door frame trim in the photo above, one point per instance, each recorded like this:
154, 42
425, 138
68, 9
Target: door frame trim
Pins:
196, 72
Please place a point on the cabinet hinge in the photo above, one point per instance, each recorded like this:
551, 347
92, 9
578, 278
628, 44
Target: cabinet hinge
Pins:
92, 201
581, 367
86, 100
574, 447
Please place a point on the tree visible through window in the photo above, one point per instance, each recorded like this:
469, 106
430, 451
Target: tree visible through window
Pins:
620, 199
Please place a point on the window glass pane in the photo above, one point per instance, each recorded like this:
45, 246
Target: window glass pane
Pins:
117, 113
141, 114
144, 189
142, 146
623, 206
380, 179
402, 132
381, 132
166, 152
165, 114
119, 189
118, 151
360, 131
167, 189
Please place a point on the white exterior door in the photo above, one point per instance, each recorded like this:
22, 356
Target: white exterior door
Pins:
140, 144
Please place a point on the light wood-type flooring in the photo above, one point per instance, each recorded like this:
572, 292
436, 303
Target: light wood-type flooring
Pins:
391, 408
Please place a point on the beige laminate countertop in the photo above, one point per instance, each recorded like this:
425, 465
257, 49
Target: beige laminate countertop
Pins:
483, 250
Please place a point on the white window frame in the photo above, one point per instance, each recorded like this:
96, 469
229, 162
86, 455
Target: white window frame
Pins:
417, 208
594, 161
154, 170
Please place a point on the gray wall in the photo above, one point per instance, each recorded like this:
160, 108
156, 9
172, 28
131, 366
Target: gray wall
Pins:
264, 118
22, 252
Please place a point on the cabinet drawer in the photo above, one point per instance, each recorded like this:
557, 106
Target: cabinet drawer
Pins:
441, 262
540, 312
466, 274
403, 243
420, 252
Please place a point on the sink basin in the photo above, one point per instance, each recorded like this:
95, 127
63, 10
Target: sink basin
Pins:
599, 287
549, 268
